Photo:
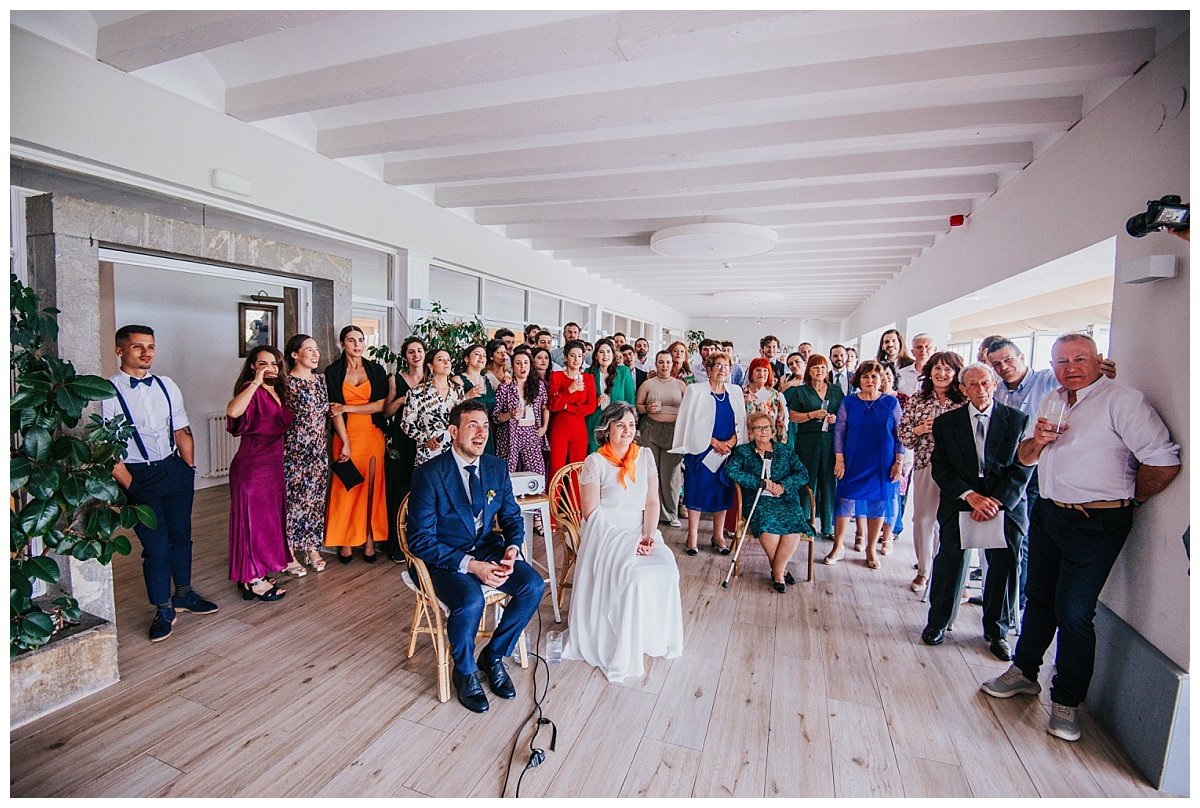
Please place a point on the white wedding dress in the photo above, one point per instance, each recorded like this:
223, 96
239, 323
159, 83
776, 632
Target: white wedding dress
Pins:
624, 604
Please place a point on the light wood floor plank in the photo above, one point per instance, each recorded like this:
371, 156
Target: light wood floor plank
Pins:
600, 759
864, 764
144, 776
734, 761
382, 767
661, 770
799, 751
931, 778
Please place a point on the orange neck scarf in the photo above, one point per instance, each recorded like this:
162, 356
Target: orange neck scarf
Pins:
627, 465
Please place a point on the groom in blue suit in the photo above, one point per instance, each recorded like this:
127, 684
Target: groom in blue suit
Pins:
454, 501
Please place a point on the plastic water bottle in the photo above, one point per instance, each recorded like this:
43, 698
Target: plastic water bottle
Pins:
554, 646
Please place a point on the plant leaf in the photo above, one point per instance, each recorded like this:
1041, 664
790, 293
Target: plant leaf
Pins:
37, 442
92, 388
44, 568
36, 628
104, 489
121, 545
146, 515
19, 469
38, 516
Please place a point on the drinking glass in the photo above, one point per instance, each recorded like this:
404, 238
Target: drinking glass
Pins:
1055, 410
554, 646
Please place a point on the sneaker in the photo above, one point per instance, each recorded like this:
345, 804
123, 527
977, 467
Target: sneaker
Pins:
164, 622
192, 602
1010, 683
675, 522
1064, 722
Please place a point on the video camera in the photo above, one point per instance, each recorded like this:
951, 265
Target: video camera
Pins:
1168, 213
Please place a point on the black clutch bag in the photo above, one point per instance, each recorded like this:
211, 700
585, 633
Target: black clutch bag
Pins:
347, 473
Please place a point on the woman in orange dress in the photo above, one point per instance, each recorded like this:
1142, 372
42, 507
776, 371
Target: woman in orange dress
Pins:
358, 389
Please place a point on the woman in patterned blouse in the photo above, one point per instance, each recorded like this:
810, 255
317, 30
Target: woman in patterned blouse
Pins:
761, 396
427, 413
939, 394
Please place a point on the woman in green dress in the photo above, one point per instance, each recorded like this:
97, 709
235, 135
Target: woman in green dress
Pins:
476, 385
614, 382
778, 519
813, 409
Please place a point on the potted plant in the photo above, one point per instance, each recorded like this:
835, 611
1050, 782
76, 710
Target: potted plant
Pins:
63, 499
436, 331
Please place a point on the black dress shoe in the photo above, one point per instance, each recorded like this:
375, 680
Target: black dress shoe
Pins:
779, 586
370, 559
931, 637
788, 579
470, 692
975, 600
492, 669
1000, 650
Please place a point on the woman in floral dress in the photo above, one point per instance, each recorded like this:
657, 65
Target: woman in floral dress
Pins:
305, 456
427, 413
522, 415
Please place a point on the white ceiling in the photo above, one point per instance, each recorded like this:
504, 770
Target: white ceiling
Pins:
854, 134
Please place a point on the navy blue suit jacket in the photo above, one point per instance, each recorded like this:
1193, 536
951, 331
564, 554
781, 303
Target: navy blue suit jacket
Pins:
441, 529
955, 466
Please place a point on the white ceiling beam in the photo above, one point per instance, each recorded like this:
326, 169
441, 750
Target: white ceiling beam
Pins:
1022, 117
988, 158
815, 217
798, 248
1086, 57
598, 39
154, 37
727, 204
787, 235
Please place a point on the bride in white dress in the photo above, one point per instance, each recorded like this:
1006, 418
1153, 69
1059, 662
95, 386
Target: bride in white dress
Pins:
626, 600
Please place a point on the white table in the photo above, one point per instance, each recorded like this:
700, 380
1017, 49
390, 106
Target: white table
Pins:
540, 503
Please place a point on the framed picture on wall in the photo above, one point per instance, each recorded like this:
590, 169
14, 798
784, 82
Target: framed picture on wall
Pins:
258, 324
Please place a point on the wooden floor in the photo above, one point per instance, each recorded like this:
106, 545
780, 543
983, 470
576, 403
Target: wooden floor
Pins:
824, 691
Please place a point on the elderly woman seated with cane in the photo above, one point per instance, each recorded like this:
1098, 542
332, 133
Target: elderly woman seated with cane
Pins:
774, 512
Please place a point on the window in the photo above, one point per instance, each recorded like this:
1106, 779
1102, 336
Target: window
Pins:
543, 310
456, 291
574, 312
503, 302
373, 320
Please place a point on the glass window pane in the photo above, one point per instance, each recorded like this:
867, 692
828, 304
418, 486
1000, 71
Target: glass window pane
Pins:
574, 312
543, 310
503, 302
373, 322
456, 291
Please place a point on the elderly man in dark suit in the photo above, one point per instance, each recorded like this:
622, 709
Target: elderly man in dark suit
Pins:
454, 500
976, 467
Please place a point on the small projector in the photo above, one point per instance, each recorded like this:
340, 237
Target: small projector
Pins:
527, 482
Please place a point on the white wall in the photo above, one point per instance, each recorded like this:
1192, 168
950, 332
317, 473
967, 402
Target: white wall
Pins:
194, 318
66, 102
745, 332
1079, 193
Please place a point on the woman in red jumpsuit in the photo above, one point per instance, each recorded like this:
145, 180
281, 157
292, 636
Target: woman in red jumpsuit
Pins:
572, 400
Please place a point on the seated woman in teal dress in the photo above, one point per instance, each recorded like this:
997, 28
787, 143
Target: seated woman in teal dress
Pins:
779, 520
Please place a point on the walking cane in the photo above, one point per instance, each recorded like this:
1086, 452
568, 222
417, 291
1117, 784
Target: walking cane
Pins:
741, 540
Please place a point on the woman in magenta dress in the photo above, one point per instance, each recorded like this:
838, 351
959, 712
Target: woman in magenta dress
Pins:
259, 414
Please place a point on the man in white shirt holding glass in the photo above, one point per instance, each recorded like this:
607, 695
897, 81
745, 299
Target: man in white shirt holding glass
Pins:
1101, 451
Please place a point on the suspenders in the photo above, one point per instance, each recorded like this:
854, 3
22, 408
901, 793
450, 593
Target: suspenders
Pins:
137, 436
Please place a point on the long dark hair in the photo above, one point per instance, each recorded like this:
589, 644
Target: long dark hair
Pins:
533, 382
951, 360
493, 346
465, 356
293, 346
903, 358
611, 377
533, 365
248, 373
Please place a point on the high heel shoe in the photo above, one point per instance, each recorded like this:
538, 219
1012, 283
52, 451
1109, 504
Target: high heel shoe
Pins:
690, 550
832, 559
296, 569
858, 544
720, 550
885, 546
370, 559
274, 593
314, 560
346, 559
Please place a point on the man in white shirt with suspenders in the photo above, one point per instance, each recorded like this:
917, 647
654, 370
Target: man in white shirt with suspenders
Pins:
159, 471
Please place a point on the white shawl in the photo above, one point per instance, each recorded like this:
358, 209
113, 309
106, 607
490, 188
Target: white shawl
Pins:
698, 413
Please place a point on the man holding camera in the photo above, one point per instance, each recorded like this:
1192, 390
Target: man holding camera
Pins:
1113, 455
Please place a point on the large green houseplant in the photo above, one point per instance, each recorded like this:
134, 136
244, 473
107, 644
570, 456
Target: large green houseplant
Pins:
63, 497
438, 331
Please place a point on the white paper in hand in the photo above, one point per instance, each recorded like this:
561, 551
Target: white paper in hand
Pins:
987, 535
714, 460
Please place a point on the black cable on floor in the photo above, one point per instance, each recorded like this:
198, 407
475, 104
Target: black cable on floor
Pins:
536, 756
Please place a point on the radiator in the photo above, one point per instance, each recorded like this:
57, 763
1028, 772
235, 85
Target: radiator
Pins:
221, 446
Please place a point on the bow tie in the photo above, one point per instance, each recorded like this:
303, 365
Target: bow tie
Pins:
134, 382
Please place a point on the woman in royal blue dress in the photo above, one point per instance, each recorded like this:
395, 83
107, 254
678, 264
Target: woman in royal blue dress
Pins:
867, 459
712, 420
259, 414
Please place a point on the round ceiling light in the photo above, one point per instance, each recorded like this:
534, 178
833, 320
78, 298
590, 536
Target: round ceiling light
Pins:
714, 240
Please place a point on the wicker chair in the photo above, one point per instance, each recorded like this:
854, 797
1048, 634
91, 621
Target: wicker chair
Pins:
741, 522
568, 516
429, 613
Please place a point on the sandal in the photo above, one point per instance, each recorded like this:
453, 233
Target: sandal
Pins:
314, 560
858, 544
919, 584
830, 560
885, 547
274, 593
296, 569
873, 563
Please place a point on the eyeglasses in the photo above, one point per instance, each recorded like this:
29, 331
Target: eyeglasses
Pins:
763, 428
